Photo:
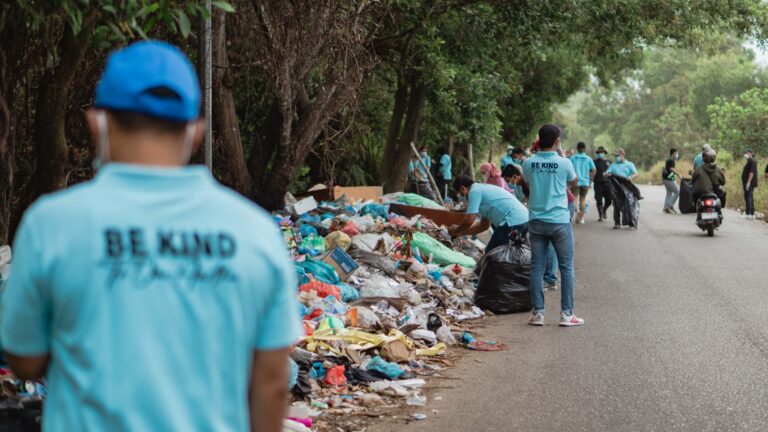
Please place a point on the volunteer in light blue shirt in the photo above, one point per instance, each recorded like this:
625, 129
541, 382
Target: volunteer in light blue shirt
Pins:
621, 166
151, 297
698, 160
416, 169
585, 171
548, 176
444, 173
507, 159
495, 206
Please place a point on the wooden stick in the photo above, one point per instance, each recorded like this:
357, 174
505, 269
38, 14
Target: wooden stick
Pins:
429, 174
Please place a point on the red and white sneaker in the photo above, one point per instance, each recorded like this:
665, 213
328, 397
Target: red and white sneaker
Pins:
570, 320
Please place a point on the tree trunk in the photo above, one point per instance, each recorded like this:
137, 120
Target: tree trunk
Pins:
395, 126
396, 178
51, 107
227, 130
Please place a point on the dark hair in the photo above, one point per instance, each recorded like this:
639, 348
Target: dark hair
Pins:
581, 146
130, 121
510, 171
462, 180
517, 151
423, 148
672, 151
548, 134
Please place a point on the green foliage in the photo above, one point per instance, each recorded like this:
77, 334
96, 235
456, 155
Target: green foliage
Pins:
742, 122
117, 21
665, 103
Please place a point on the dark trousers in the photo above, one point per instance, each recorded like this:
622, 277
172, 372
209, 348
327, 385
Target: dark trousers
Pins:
603, 197
442, 186
501, 234
749, 198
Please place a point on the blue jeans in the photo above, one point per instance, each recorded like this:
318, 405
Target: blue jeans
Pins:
550, 271
501, 234
560, 236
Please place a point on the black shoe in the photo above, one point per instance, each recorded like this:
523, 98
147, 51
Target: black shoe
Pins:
616, 227
601, 220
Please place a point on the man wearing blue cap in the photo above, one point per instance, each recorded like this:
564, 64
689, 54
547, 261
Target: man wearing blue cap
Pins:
151, 297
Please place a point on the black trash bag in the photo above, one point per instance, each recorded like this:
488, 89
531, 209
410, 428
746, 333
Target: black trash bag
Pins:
303, 388
626, 197
422, 188
686, 203
505, 276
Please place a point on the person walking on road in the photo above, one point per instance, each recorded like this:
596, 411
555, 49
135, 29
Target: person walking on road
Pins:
549, 176
585, 170
669, 176
749, 183
601, 184
151, 275
625, 169
498, 209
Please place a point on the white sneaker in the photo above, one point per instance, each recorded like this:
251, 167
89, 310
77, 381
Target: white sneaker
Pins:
537, 319
744, 216
550, 287
570, 320
583, 222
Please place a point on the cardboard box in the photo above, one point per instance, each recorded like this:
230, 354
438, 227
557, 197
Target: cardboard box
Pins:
344, 264
364, 193
304, 205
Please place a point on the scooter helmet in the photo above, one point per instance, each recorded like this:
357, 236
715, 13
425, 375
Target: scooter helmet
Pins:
709, 156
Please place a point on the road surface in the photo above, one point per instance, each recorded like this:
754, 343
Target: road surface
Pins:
676, 339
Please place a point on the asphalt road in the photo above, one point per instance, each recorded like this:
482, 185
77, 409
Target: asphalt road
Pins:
676, 339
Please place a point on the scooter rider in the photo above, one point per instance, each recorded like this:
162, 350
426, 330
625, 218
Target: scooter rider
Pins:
708, 179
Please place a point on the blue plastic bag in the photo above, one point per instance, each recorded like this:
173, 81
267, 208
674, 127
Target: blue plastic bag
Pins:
375, 210
306, 230
348, 293
293, 376
391, 370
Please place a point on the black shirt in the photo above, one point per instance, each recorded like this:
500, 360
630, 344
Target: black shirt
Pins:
667, 173
601, 166
749, 167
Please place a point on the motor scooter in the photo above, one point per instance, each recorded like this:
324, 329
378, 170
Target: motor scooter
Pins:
709, 213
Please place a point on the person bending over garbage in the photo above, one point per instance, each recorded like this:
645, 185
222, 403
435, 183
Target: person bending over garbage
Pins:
151, 297
496, 207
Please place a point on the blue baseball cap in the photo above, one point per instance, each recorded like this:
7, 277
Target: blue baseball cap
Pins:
152, 78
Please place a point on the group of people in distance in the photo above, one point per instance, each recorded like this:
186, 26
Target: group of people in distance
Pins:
707, 177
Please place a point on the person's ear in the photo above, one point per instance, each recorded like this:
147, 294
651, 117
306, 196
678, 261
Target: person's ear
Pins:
199, 135
93, 125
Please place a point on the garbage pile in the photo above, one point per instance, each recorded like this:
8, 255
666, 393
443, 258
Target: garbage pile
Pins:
382, 298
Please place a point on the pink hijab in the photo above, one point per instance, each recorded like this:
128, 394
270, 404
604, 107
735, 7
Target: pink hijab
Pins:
492, 175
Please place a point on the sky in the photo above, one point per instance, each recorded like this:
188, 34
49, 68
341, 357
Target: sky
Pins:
761, 54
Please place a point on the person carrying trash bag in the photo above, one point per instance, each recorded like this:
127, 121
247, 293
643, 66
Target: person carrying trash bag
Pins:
505, 277
151, 297
626, 209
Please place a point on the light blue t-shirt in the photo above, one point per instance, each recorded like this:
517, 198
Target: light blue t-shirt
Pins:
415, 165
622, 169
497, 205
698, 160
548, 175
150, 288
445, 167
506, 160
583, 165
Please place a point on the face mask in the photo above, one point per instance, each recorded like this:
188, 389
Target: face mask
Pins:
186, 150
600, 156
517, 161
746, 156
677, 156
618, 159
423, 154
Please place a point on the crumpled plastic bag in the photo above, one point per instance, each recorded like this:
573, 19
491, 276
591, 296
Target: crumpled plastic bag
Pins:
381, 262
416, 200
338, 239
391, 370
379, 286
397, 351
335, 376
440, 253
